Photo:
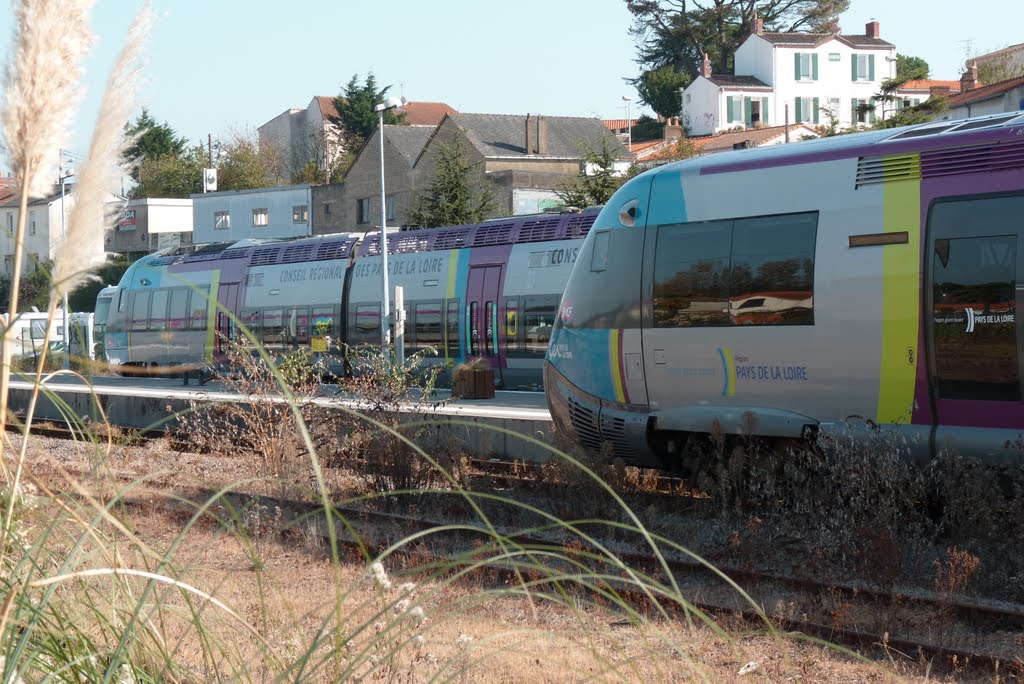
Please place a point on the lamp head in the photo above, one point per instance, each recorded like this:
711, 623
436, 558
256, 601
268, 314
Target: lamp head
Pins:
627, 98
390, 103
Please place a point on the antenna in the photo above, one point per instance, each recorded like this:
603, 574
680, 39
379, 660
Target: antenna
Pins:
968, 45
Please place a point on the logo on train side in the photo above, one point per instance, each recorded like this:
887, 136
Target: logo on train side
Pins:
737, 367
554, 257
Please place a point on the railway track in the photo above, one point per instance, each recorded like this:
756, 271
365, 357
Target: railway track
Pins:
983, 633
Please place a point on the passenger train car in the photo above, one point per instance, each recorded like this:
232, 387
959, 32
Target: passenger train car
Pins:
841, 284
486, 290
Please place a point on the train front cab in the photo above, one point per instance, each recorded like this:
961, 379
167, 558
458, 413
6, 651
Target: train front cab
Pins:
594, 371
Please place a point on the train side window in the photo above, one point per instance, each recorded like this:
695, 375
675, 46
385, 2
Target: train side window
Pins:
691, 275
772, 277
599, 257
974, 326
250, 318
200, 302
178, 311
158, 310
512, 326
322, 327
427, 325
272, 331
367, 319
452, 328
140, 309
538, 319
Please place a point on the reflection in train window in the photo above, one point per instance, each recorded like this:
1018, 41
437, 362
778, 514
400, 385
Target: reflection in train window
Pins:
974, 284
427, 325
367, 319
751, 271
200, 301
140, 310
538, 318
179, 308
452, 328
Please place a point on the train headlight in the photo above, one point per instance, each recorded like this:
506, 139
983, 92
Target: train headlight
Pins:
627, 213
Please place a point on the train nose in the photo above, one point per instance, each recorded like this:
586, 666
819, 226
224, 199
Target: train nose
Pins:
589, 422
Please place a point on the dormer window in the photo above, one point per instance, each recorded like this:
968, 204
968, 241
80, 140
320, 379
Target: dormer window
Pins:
806, 66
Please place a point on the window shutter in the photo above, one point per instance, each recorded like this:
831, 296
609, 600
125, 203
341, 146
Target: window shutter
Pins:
871, 67
814, 66
798, 118
764, 110
816, 115
854, 106
748, 112
796, 60
899, 105
728, 109
871, 112
853, 65
917, 101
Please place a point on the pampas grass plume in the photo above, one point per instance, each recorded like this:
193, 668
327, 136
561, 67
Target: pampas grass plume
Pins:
98, 176
42, 83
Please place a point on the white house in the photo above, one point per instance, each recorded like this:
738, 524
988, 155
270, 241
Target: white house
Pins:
44, 231
231, 215
791, 78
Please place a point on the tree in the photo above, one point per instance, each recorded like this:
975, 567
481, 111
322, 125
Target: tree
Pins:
597, 180
171, 176
660, 90
887, 103
33, 287
677, 33
243, 164
152, 141
355, 110
456, 194
911, 65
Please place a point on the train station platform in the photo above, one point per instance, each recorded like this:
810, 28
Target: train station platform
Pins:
485, 427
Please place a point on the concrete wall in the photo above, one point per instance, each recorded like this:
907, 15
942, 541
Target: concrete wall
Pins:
363, 182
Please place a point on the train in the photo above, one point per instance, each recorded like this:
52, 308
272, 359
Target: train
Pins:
488, 290
863, 284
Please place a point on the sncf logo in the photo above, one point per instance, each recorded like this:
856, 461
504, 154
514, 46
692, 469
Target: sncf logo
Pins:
970, 319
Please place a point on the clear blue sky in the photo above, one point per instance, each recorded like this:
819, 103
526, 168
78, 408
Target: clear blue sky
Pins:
220, 65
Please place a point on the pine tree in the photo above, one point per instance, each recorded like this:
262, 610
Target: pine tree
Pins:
456, 194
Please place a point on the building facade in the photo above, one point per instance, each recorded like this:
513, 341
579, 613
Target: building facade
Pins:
232, 215
797, 78
148, 225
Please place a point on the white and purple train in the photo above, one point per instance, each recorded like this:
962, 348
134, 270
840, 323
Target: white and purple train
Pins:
486, 290
862, 280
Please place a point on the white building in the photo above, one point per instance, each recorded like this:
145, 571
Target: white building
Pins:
791, 78
231, 215
43, 227
149, 224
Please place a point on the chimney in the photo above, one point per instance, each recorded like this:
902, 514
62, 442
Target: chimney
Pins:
542, 135
969, 81
940, 91
531, 135
705, 66
872, 29
758, 28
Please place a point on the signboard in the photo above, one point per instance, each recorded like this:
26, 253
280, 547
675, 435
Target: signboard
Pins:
127, 220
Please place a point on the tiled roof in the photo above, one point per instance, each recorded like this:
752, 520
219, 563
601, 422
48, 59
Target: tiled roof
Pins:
416, 113
426, 113
814, 39
753, 136
409, 140
504, 135
985, 92
928, 84
617, 124
744, 82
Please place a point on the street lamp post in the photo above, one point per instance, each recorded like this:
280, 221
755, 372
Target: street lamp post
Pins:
64, 175
629, 122
385, 323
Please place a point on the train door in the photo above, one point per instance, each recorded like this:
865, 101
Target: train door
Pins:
482, 297
975, 265
225, 333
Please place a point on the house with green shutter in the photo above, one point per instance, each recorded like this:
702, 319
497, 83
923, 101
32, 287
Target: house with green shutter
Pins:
791, 78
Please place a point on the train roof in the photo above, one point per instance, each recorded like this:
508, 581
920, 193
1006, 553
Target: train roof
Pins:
934, 134
510, 230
